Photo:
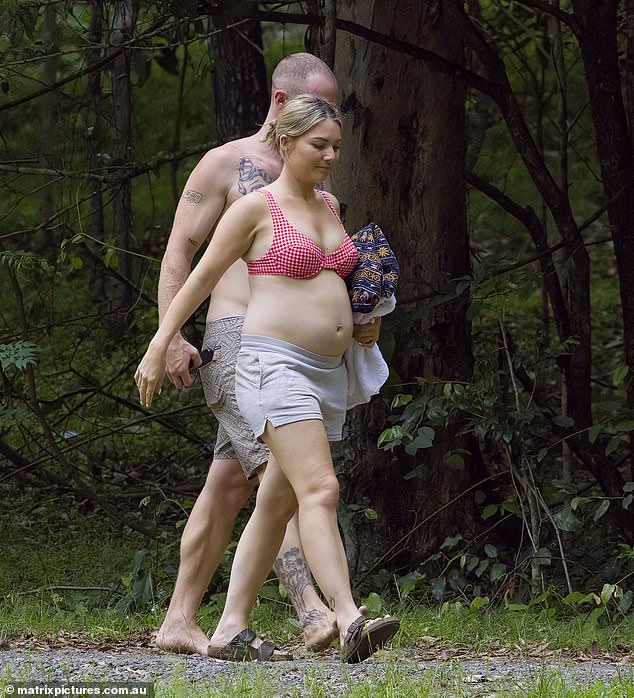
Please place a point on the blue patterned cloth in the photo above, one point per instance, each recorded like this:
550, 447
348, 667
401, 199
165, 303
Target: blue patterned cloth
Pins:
377, 272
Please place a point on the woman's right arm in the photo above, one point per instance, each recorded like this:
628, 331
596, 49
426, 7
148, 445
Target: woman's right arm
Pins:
232, 239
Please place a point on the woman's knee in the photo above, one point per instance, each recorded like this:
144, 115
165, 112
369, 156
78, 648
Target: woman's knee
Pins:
323, 491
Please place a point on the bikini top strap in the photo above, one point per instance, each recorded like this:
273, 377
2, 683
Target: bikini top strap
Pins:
277, 216
330, 205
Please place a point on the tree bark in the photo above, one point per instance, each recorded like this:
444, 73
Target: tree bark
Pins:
414, 187
597, 35
49, 138
119, 299
240, 85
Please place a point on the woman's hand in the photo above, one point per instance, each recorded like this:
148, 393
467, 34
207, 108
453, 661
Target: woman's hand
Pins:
368, 334
149, 375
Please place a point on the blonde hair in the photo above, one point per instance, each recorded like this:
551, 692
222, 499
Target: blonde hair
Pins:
297, 117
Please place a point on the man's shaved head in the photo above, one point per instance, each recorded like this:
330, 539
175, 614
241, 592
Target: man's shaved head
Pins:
296, 71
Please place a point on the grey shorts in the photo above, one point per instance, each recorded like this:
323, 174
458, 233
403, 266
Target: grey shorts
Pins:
235, 438
282, 383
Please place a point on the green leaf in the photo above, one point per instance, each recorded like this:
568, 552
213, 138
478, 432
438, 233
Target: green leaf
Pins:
601, 509
400, 400
628, 486
491, 550
619, 375
489, 511
627, 425
577, 597
374, 602
626, 601
454, 460
543, 556
498, 570
438, 587
18, 354
566, 520
594, 431
451, 542
563, 421
370, 514
481, 567
607, 593
478, 603
579, 501
627, 501
614, 443
424, 439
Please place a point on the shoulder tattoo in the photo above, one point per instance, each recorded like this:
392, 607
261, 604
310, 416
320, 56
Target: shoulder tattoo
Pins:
251, 177
194, 197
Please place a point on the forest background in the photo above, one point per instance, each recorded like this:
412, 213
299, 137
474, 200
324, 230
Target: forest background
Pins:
492, 142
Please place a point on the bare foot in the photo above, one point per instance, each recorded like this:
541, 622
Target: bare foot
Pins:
181, 638
320, 629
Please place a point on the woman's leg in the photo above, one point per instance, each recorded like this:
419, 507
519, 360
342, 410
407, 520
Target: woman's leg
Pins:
256, 552
302, 453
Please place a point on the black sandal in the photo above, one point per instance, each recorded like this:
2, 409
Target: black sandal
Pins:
241, 650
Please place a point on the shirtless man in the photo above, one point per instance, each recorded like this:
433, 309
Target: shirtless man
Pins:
223, 175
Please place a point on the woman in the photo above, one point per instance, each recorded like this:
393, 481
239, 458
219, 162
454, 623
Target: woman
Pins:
290, 377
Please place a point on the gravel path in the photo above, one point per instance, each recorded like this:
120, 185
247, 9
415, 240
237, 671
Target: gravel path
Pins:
475, 676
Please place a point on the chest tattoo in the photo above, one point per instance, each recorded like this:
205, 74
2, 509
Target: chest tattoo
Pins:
251, 177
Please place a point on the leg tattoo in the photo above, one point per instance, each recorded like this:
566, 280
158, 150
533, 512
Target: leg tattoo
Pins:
294, 575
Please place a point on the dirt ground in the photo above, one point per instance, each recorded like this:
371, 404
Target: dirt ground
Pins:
67, 659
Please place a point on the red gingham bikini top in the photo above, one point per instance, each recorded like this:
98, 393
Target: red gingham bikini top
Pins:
295, 255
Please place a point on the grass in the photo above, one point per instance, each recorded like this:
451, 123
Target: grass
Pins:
96, 566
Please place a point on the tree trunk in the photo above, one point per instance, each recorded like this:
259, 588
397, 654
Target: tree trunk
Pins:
411, 182
95, 129
119, 298
240, 86
50, 143
599, 50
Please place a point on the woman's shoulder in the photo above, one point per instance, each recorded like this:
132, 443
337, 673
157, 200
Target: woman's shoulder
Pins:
249, 205
330, 198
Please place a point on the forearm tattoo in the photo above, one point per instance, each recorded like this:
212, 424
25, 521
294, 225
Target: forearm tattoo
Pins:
193, 242
294, 575
193, 197
251, 177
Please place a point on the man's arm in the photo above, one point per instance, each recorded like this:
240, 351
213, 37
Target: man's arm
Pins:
232, 238
201, 205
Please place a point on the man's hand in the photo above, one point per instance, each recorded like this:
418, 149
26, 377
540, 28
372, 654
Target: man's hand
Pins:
181, 358
368, 334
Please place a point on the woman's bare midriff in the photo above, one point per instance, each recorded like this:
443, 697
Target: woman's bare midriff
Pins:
231, 295
314, 314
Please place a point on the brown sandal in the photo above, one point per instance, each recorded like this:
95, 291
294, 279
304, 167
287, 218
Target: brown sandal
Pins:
364, 637
241, 650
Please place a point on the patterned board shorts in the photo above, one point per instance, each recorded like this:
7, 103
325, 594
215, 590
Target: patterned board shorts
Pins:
235, 438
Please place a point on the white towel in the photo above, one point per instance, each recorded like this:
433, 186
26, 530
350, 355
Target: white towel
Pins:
367, 370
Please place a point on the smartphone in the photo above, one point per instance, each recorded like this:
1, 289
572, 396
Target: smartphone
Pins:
206, 357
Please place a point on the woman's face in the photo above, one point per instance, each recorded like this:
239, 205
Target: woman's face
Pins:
313, 155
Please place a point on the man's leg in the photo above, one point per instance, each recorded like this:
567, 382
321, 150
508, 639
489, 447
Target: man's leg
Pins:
319, 623
205, 539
